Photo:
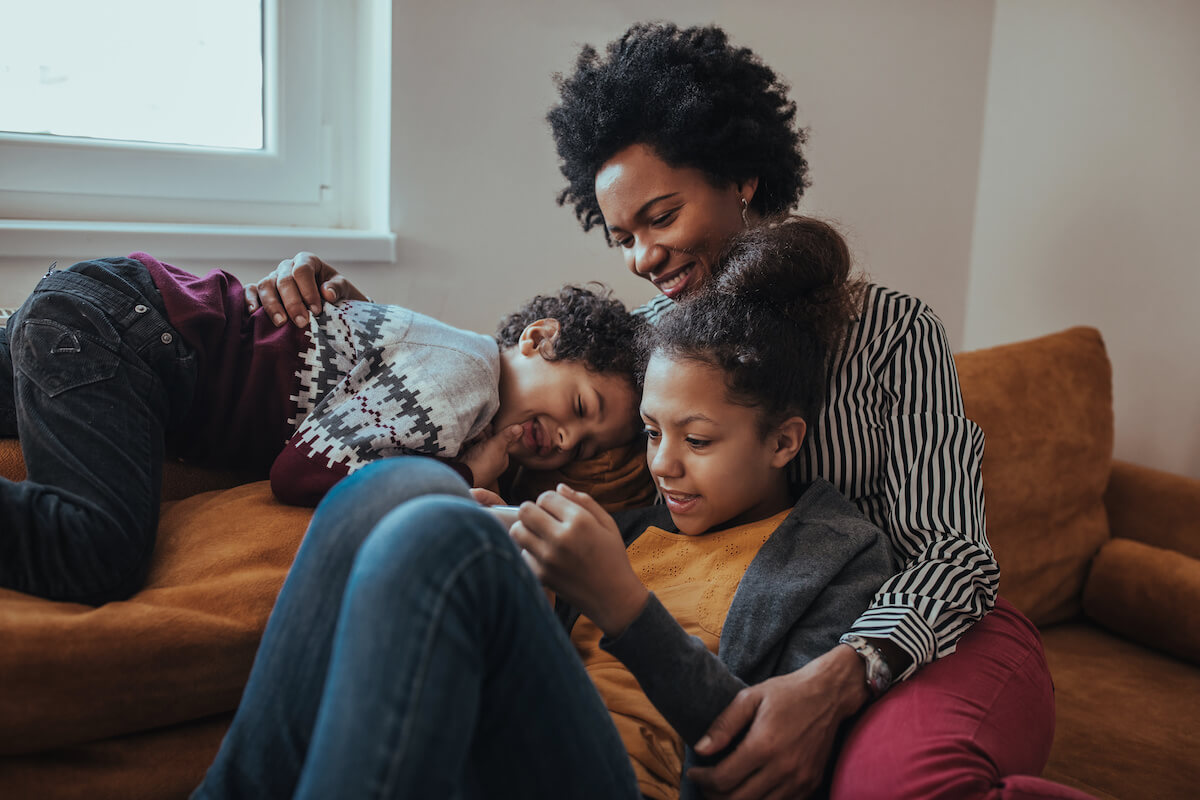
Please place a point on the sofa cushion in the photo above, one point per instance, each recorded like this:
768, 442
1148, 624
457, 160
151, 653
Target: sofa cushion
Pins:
178, 650
162, 764
1126, 716
1045, 406
1147, 594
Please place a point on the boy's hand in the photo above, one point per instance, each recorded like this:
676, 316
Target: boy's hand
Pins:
488, 458
574, 547
298, 285
486, 497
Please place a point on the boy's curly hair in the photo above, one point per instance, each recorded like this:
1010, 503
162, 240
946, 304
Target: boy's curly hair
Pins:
595, 329
692, 97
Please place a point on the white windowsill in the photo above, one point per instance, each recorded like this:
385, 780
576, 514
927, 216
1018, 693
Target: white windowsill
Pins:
66, 240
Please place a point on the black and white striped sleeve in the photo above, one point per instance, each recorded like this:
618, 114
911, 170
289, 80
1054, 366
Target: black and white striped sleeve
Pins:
929, 494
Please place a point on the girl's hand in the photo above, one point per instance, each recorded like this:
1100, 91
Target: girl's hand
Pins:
296, 286
488, 457
574, 548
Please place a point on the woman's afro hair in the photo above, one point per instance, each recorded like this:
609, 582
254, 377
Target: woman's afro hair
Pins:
696, 100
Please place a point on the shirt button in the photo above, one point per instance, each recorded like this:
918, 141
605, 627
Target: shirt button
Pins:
141, 309
167, 338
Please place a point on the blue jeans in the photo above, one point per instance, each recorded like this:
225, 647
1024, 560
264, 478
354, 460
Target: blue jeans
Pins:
411, 653
91, 377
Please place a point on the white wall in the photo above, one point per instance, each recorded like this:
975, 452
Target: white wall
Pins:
893, 94
1089, 193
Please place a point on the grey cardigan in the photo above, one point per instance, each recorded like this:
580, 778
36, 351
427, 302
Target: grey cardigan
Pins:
808, 584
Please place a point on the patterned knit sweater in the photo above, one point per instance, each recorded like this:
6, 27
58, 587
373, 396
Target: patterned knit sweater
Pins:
381, 381
363, 381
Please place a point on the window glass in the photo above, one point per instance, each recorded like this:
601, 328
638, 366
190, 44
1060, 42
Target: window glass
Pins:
163, 71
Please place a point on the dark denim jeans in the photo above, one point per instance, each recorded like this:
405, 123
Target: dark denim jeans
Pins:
91, 377
411, 653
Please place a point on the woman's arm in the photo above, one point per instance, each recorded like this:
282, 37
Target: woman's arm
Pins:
933, 504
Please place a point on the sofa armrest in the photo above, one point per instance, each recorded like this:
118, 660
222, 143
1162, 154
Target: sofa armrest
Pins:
1146, 594
1154, 507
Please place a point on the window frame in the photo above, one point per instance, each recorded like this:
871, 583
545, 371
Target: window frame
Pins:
320, 181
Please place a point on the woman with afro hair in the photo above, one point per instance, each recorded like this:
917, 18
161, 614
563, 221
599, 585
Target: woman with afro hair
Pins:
671, 140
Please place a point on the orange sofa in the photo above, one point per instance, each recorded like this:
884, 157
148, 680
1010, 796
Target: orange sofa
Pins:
130, 700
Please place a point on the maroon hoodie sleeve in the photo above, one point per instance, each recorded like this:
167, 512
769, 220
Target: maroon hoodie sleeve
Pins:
299, 480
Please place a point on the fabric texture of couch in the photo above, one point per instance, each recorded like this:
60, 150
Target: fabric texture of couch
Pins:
130, 700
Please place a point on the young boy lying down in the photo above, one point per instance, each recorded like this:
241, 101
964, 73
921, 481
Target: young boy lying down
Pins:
113, 364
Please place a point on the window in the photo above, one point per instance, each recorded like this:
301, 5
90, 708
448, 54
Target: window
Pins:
232, 118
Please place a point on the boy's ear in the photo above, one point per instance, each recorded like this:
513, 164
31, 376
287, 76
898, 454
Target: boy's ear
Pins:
787, 439
538, 337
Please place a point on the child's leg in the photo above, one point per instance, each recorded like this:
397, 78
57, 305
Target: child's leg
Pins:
97, 375
264, 750
451, 676
447, 668
8, 401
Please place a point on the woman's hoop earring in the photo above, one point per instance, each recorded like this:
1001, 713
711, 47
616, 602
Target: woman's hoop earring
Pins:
745, 218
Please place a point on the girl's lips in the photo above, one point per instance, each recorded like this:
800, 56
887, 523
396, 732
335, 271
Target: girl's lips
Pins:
678, 502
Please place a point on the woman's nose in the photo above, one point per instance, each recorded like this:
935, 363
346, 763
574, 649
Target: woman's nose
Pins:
648, 257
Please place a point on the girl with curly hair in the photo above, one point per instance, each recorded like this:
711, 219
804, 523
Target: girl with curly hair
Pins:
671, 140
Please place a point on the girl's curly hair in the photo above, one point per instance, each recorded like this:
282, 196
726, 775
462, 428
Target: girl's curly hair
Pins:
772, 318
595, 328
696, 100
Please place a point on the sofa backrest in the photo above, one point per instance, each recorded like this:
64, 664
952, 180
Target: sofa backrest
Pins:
1045, 406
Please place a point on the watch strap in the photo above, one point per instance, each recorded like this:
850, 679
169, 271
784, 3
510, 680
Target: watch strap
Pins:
879, 674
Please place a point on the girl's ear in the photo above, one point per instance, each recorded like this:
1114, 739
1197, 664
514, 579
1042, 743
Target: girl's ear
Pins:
787, 439
538, 337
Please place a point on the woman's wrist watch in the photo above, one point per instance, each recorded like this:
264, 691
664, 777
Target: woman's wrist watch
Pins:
879, 674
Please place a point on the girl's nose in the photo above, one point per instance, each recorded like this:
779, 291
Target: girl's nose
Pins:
664, 462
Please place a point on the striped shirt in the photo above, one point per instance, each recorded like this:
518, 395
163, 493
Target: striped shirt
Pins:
893, 438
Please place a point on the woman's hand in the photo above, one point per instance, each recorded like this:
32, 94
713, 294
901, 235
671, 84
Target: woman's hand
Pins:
574, 548
488, 457
298, 285
790, 721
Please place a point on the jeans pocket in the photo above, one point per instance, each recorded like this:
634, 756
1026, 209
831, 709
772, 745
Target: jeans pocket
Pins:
58, 358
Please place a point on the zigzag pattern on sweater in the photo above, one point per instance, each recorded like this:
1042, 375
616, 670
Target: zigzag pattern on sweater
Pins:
352, 406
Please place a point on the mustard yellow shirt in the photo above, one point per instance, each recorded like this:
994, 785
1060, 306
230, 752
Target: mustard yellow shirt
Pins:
695, 578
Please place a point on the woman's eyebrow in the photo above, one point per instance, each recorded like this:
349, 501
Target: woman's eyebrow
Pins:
644, 208
646, 205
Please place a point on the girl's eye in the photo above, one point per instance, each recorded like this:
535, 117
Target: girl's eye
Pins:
697, 443
624, 241
652, 434
579, 407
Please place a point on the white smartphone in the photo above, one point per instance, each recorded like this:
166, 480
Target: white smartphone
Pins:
506, 514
